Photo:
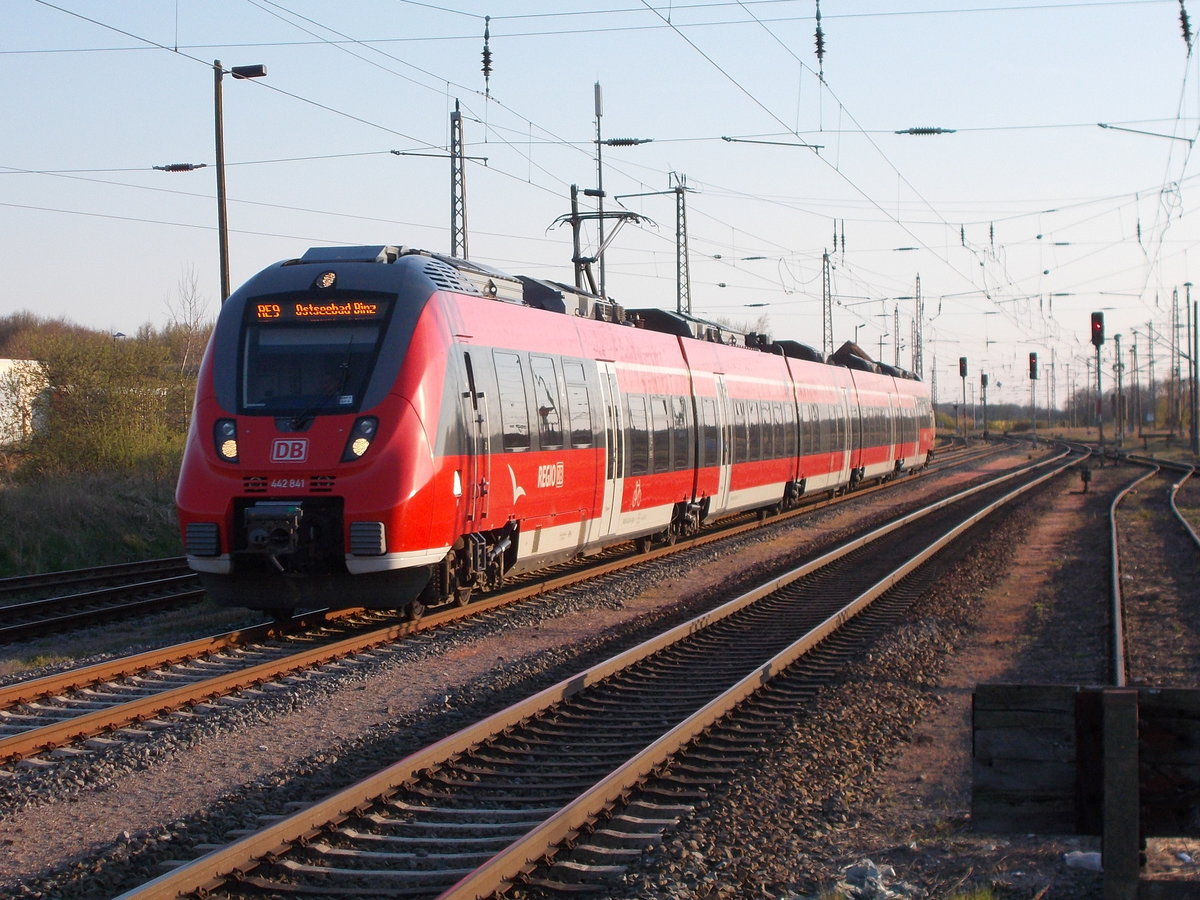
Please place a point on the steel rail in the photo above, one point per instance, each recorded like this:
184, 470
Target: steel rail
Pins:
208, 872
1116, 603
74, 610
1187, 526
17, 584
36, 689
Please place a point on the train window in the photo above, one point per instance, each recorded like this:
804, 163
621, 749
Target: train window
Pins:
754, 427
709, 432
639, 438
741, 441
768, 430
782, 444
514, 412
579, 408
545, 395
294, 367
580, 412
660, 446
680, 445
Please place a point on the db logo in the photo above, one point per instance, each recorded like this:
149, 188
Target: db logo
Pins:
289, 450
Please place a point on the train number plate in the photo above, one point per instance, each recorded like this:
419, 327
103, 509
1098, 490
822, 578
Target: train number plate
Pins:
288, 484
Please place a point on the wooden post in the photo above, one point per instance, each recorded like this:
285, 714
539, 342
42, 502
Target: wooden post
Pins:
1122, 832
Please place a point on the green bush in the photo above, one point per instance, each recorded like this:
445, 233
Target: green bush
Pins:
93, 481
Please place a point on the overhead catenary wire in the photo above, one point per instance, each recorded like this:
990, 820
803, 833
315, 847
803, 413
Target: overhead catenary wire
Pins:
552, 174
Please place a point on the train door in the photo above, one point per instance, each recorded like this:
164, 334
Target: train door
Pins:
724, 443
850, 431
614, 450
477, 449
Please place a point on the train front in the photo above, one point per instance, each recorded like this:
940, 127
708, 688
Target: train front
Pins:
309, 474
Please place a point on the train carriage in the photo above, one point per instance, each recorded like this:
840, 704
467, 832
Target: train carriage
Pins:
384, 427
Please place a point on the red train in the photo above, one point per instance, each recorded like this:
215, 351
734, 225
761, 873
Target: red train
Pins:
383, 427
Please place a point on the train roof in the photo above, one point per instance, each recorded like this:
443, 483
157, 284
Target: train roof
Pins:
686, 325
467, 276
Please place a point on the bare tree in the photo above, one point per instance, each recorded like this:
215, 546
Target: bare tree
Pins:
188, 323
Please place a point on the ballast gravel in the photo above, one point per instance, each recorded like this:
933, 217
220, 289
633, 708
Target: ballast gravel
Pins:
795, 824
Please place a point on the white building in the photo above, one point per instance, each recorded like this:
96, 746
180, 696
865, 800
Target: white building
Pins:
22, 384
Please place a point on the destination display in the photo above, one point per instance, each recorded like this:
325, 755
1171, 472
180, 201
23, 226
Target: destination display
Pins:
300, 310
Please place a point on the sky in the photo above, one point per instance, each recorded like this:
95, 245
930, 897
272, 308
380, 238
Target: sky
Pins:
1012, 225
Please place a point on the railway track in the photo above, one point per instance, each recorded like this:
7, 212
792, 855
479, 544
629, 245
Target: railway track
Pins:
1155, 552
55, 602
86, 709
23, 587
587, 764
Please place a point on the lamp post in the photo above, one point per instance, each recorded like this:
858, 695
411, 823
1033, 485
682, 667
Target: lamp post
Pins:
257, 71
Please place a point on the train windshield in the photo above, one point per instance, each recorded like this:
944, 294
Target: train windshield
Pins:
308, 365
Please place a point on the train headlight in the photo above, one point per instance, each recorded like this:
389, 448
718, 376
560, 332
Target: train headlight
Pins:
361, 436
225, 439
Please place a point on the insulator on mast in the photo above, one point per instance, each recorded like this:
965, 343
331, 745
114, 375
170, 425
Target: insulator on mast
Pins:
487, 57
821, 43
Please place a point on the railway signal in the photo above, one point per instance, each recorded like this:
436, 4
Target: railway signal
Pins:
962, 373
1097, 340
983, 384
1032, 393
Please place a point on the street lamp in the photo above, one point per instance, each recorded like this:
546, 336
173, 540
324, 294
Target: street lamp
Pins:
257, 71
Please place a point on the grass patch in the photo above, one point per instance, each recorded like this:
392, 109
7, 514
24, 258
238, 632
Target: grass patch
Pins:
47, 525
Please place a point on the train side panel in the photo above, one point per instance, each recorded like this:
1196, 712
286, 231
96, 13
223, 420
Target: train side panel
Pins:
823, 398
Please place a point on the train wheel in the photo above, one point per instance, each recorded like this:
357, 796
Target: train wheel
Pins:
642, 544
462, 596
280, 615
414, 610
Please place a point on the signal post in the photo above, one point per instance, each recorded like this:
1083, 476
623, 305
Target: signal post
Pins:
1097, 341
962, 373
1033, 393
